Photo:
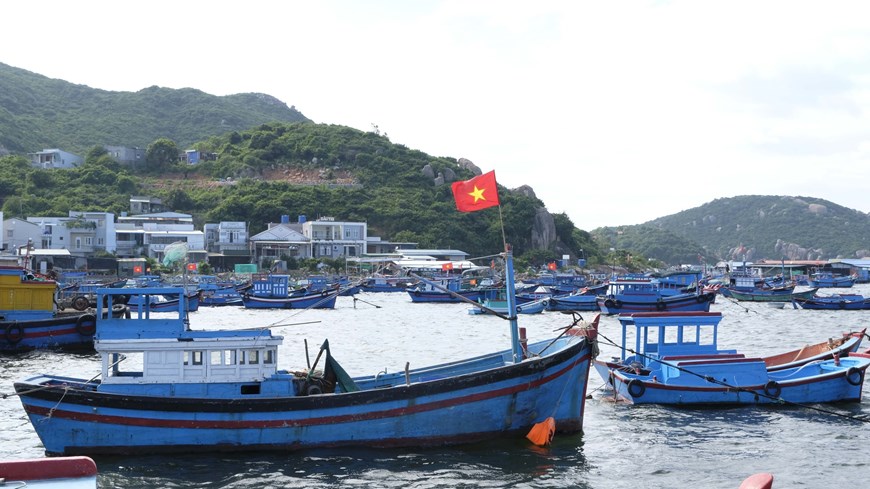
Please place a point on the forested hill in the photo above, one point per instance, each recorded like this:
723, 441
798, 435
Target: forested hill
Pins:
37, 112
750, 227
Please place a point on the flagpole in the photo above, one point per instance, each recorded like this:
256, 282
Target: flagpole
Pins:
501, 221
510, 292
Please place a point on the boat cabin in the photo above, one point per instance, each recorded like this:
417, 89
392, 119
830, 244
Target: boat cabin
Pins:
160, 348
659, 335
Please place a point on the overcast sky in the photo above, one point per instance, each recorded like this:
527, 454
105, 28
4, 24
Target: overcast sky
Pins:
613, 112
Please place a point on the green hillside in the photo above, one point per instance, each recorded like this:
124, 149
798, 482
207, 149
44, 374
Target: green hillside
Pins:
37, 112
751, 227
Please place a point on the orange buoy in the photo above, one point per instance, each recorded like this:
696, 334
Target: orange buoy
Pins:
542, 433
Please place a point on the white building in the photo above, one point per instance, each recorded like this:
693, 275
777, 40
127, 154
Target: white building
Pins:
18, 233
82, 233
55, 158
334, 239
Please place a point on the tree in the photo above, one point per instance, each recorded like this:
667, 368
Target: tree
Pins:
161, 154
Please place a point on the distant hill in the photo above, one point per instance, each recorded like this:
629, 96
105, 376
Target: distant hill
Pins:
37, 112
750, 227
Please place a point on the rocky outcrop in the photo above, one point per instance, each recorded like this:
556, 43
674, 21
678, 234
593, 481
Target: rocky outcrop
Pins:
428, 172
793, 251
543, 229
525, 190
468, 165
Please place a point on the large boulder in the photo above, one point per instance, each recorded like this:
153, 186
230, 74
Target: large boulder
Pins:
468, 165
543, 229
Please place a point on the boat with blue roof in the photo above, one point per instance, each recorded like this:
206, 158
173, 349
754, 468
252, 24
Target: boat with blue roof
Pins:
674, 358
165, 387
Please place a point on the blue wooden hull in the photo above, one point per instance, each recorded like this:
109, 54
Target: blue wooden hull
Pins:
630, 304
833, 303
318, 300
444, 297
63, 332
573, 303
471, 400
748, 382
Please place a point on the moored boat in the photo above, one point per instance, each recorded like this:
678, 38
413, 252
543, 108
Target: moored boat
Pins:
675, 360
644, 295
30, 319
829, 280
49, 473
834, 302
786, 294
167, 388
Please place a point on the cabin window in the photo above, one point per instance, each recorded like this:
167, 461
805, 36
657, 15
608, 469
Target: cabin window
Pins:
672, 335
707, 335
268, 357
652, 335
126, 365
222, 357
193, 357
690, 334
252, 357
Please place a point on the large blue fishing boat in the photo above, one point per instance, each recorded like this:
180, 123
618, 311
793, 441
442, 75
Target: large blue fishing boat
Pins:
164, 387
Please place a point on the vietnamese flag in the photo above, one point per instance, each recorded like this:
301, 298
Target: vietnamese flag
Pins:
447, 266
476, 194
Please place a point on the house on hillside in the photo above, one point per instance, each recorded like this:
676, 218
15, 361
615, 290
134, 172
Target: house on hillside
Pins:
54, 158
134, 157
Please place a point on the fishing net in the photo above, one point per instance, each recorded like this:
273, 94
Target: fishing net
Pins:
175, 253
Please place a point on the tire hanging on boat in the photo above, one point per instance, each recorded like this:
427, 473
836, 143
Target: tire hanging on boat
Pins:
14, 333
86, 325
608, 303
854, 376
660, 305
636, 388
772, 389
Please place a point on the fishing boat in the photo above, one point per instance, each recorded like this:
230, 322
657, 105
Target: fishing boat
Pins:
784, 294
49, 473
164, 387
216, 292
676, 360
828, 280
578, 301
500, 306
30, 318
274, 292
162, 303
834, 302
643, 294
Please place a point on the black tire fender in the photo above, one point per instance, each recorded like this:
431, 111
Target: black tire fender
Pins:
772, 388
636, 388
14, 333
86, 325
855, 376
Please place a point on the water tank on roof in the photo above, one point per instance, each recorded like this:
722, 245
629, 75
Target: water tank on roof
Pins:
302, 218
285, 219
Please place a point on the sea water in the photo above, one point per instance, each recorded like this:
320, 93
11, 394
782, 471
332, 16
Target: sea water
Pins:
623, 446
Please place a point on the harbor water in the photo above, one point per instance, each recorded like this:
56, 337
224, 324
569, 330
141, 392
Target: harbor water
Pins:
623, 446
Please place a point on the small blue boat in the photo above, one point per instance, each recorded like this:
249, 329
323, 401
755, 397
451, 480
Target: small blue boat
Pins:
834, 302
675, 359
828, 280
206, 390
645, 295
274, 292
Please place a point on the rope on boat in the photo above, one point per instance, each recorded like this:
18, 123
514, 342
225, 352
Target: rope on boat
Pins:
737, 303
713, 380
460, 296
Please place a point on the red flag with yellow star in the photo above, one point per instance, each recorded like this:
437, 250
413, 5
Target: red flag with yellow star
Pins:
476, 194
